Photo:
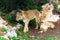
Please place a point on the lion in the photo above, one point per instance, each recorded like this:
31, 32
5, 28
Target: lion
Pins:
46, 13
28, 15
45, 25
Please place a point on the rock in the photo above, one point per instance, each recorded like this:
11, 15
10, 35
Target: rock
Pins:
11, 33
2, 21
19, 25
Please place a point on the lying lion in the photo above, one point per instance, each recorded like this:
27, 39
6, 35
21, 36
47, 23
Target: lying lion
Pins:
26, 16
44, 26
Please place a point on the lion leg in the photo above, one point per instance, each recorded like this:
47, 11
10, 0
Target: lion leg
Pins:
37, 23
36, 26
43, 27
26, 26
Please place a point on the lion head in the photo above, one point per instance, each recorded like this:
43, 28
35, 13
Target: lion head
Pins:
19, 16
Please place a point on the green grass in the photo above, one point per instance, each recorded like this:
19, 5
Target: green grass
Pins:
49, 38
24, 37
3, 29
1, 38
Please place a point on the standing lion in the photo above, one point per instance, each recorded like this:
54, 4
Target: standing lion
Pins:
26, 16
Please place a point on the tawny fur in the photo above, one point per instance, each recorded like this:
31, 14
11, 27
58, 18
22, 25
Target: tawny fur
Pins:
26, 16
46, 13
44, 26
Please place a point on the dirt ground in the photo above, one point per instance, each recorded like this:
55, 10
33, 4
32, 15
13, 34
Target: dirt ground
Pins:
50, 32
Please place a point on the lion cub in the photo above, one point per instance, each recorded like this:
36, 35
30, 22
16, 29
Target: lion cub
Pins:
26, 16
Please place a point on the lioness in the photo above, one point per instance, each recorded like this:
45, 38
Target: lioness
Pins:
46, 11
26, 16
46, 14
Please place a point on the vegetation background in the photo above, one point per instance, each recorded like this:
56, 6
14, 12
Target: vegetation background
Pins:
7, 6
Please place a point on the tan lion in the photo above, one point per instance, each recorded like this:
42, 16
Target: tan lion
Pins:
26, 16
44, 26
46, 14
